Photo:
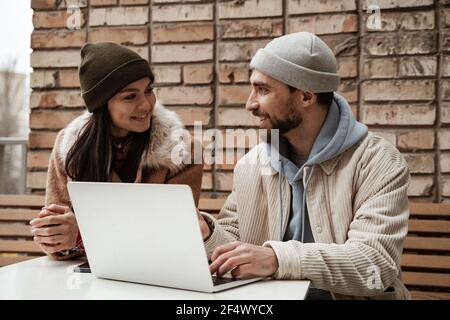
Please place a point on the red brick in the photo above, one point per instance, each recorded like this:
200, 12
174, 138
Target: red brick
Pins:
445, 162
250, 9
349, 90
391, 4
446, 187
420, 163
52, 119
167, 74
60, 39
347, 67
56, 98
324, 24
55, 58
55, 19
234, 72
416, 140
231, 95
125, 36
444, 139
387, 114
185, 95
64, 78
118, 16
445, 112
182, 32
224, 181
386, 90
404, 21
182, 53
198, 73
36, 180
239, 51
100, 3
44, 140
207, 181
238, 29
234, 117
57, 4
406, 43
183, 12
189, 115
314, 6
420, 186
38, 159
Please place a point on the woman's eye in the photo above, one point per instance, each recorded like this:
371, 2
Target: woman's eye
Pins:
149, 90
130, 97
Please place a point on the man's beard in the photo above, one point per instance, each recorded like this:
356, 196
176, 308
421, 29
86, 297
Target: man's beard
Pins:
291, 120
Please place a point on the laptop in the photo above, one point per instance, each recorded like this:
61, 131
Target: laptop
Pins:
145, 233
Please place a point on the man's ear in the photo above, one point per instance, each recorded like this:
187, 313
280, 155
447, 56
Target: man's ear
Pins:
309, 98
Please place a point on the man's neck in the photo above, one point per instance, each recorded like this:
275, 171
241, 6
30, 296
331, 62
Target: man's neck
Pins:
301, 139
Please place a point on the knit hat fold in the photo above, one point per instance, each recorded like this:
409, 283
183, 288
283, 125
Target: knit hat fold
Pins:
301, 60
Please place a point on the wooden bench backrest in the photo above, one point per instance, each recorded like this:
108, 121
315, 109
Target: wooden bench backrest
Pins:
16, 242
426, 254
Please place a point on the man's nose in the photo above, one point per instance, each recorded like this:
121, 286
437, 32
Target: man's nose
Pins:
251, 104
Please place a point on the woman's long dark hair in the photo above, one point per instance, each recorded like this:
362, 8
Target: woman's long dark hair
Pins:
91, 159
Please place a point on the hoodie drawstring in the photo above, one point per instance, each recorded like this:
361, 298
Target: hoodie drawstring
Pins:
303, 204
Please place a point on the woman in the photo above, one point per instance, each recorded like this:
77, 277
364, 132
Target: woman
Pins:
126, 136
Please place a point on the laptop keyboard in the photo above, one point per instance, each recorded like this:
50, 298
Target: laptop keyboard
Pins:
218, 281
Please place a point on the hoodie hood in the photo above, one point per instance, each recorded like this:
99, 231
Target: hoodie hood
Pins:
339, 132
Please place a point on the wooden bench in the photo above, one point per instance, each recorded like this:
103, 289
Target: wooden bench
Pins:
16, 241
426, 254
425, 261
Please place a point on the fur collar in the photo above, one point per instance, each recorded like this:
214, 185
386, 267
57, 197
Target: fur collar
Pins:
166, 130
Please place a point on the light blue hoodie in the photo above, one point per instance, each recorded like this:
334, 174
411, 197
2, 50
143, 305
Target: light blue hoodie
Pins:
339, 132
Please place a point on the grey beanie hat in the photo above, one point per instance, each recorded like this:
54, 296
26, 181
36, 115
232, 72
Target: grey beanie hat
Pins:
301, 60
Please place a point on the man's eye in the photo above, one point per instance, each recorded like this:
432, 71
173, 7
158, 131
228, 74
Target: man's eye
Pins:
148, 90
263, 90
130, 97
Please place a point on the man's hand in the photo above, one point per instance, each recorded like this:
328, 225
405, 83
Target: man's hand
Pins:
55, 229
206, 232
243, 260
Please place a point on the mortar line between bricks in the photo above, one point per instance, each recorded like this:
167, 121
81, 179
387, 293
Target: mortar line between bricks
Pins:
437, 170
149, 30
285, 16
216, 87
360, 58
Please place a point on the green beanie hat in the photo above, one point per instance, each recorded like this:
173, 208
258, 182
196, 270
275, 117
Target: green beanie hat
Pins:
105, 69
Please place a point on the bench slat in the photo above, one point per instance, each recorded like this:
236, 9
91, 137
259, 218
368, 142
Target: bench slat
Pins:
429, 209
10, 214
19, 246
15, 230
426, 279
23, 201
425, 261
429, 226
427, 243
430, 295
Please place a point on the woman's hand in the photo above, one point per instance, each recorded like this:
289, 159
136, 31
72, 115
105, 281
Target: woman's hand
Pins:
55, 229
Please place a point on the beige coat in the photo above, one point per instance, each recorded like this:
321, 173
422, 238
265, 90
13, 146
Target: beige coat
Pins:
156, 167
358, 210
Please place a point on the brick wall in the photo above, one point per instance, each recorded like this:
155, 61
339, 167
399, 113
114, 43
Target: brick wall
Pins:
396, 78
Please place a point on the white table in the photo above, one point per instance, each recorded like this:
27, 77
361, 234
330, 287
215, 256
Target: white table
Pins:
44, 278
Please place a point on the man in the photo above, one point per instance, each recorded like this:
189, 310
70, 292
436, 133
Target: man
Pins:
335, 211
